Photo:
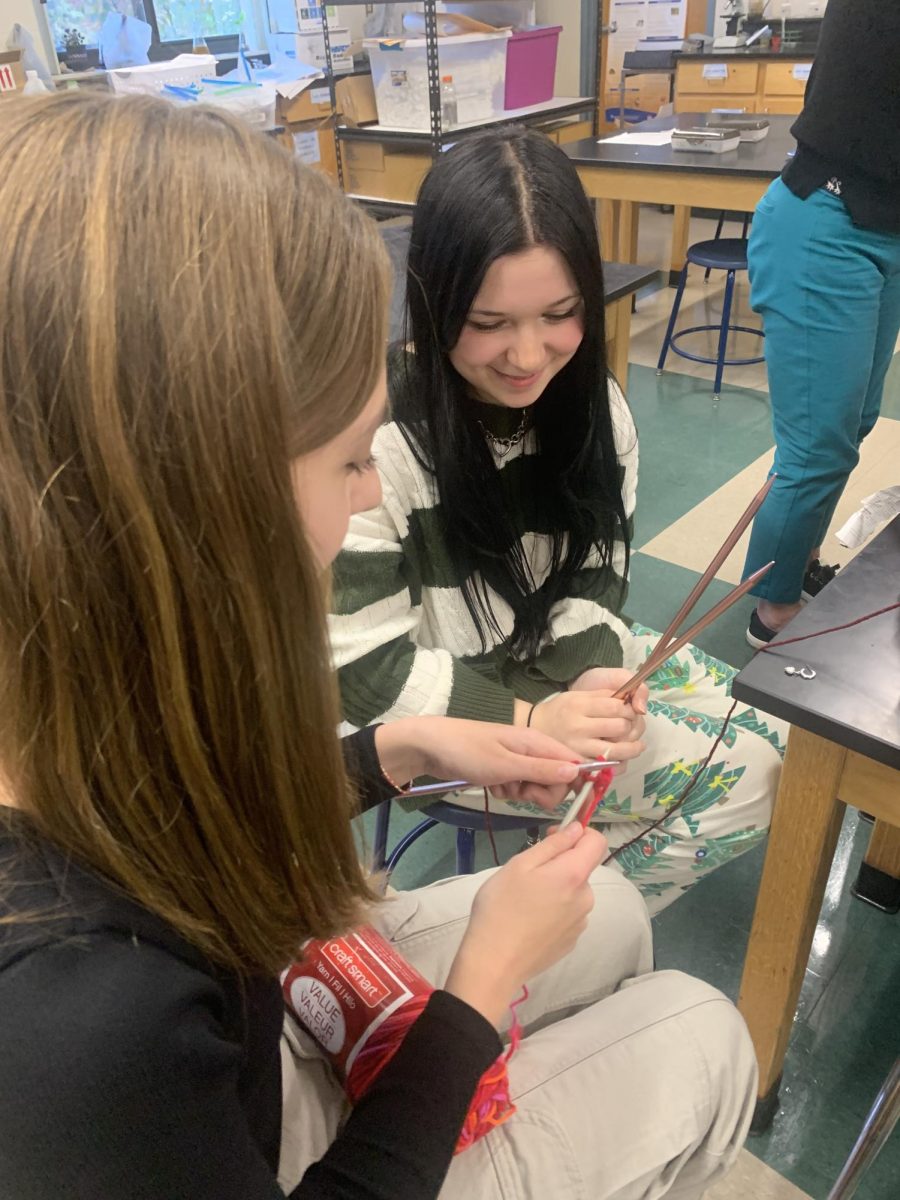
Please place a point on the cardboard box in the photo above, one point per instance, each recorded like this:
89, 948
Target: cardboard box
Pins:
371, 170
12, 74
313, 143
356, 100
309, 48
311, 103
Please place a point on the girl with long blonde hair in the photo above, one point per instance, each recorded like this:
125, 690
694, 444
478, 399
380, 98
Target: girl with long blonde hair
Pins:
192, 332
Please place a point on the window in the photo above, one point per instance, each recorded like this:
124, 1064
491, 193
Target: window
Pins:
170, 20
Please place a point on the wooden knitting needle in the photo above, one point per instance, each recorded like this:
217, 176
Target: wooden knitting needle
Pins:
660, 654
661, 650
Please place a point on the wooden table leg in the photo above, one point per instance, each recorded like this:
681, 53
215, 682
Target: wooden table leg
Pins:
681, 229
609, 219
628, 232
878, 882
618, 337
802, 841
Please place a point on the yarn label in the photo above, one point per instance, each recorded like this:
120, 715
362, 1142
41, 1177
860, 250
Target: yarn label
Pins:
341, 990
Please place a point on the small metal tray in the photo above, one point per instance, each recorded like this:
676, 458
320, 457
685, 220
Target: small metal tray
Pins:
706, 140
752, 129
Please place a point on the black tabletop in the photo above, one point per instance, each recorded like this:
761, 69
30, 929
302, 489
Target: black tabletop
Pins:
765, 158
854, 699
619, 279
792, 54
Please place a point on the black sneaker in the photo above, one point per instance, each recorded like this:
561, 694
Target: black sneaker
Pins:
758, 635
817, 575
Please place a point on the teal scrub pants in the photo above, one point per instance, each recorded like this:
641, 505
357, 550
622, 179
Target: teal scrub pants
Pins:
829, 295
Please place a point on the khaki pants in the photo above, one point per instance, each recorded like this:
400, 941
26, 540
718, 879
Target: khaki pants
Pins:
629, 1084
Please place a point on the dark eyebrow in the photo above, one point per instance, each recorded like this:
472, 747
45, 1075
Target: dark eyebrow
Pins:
487, 312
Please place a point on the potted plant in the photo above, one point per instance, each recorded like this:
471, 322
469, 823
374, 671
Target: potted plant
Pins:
76, 51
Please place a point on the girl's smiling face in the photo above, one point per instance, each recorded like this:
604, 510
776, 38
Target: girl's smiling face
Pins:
525, 324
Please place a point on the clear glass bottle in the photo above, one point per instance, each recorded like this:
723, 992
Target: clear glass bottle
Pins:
449, 110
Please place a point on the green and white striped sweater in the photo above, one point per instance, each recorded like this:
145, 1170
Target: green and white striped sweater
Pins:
402, 638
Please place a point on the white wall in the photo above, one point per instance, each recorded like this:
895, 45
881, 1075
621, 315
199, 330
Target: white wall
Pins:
568, 65
26, 13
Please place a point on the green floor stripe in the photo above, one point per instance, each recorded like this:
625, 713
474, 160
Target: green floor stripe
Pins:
690, 446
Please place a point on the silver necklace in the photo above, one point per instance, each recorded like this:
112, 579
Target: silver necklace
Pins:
503, 445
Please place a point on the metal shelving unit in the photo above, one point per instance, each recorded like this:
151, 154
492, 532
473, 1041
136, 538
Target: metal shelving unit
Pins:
437, 138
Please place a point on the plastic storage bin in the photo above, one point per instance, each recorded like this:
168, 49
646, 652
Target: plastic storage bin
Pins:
531, 66
182, 71
477, 62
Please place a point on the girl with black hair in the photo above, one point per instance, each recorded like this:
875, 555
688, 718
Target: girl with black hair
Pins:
490, 582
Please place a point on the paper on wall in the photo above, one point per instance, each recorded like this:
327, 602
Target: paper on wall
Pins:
874, 511
637, 19
630, 20
665, 19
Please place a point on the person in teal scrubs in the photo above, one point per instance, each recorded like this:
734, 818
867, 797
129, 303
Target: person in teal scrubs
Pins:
824, 262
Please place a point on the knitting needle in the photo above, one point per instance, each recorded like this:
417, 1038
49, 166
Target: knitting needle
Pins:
660, 654
460, 785
721, 554
662, 650
578, 804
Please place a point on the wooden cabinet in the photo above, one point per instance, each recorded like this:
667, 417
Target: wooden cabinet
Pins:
783, 86
703, 86
704, 78
783, 105
709, 103
764, 86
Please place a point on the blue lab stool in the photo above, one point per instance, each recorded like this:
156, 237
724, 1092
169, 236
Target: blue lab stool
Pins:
468, 822
719, 254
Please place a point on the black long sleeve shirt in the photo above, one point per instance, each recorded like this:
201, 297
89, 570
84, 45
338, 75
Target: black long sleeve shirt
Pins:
848, 135
132, 1067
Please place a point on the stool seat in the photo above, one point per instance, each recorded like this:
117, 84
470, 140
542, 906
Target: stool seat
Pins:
720, 254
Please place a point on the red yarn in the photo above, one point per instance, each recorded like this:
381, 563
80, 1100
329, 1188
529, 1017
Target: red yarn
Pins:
490, 1106
601, 782
340, 991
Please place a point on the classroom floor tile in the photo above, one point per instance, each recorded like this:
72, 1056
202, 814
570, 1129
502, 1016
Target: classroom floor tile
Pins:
750, 1177
692, 540
689, 446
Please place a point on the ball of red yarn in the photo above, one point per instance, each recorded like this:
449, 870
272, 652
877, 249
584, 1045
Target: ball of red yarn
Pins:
358, 997
491, 1105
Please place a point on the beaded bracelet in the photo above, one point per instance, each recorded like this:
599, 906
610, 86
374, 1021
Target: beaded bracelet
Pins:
398, 787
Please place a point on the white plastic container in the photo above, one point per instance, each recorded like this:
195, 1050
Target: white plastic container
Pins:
301, 16
477, 62
309, 48
182, 71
